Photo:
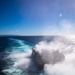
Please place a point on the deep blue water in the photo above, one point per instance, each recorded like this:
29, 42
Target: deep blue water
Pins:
9, 43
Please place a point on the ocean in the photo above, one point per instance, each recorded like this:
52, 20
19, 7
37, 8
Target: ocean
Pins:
16, 43
37, 55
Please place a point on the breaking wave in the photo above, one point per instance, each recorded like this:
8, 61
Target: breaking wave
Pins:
57, 55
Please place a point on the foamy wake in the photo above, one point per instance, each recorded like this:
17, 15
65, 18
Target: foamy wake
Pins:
22, 64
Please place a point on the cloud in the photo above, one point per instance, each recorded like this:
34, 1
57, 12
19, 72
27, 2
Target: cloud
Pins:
64, 27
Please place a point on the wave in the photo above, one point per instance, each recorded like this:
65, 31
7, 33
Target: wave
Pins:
56, 55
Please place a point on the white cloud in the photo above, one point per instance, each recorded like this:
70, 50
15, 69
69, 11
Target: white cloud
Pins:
64, 27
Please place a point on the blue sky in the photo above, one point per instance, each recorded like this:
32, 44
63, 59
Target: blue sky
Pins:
37, 17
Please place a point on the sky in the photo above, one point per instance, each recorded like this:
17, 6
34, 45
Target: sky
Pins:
37, 17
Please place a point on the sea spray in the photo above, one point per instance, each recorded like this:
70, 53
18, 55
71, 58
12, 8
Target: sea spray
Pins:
59, 53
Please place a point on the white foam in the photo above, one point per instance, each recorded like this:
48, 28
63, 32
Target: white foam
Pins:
65, 45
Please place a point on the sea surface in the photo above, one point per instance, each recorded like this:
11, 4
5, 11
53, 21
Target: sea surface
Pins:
10, 44
57, 53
